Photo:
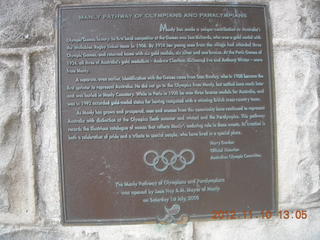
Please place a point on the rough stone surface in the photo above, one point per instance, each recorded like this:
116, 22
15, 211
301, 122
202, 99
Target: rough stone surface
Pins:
43, 101
284, 19
26, 22
143, 232
125, 232
297, 94
309, 22
48, 234
106, 1
14, 176
10, 122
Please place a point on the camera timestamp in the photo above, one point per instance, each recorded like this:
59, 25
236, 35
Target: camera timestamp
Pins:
261, 214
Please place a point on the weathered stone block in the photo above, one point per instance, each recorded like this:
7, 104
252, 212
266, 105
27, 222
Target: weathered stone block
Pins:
107, 1
16, 197
297, 86
125, 232
141, 231
25, 23
309, 22
43, 103
10, 122
284, 18
44, 233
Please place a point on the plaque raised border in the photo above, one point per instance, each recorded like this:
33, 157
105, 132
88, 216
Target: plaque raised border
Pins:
170, 213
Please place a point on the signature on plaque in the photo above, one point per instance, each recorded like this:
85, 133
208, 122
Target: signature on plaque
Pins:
161, 162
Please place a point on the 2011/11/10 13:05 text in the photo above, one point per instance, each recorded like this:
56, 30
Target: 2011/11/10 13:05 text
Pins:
263, 214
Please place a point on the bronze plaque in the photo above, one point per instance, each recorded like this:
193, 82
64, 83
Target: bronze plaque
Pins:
165, 112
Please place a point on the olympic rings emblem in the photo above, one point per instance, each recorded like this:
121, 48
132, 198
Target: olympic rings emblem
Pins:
169, 158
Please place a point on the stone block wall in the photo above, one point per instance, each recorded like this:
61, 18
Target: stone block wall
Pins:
29, 176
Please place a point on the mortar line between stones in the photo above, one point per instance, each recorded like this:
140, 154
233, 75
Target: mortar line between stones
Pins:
301, 43
25, 50
27, 135
194, 234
